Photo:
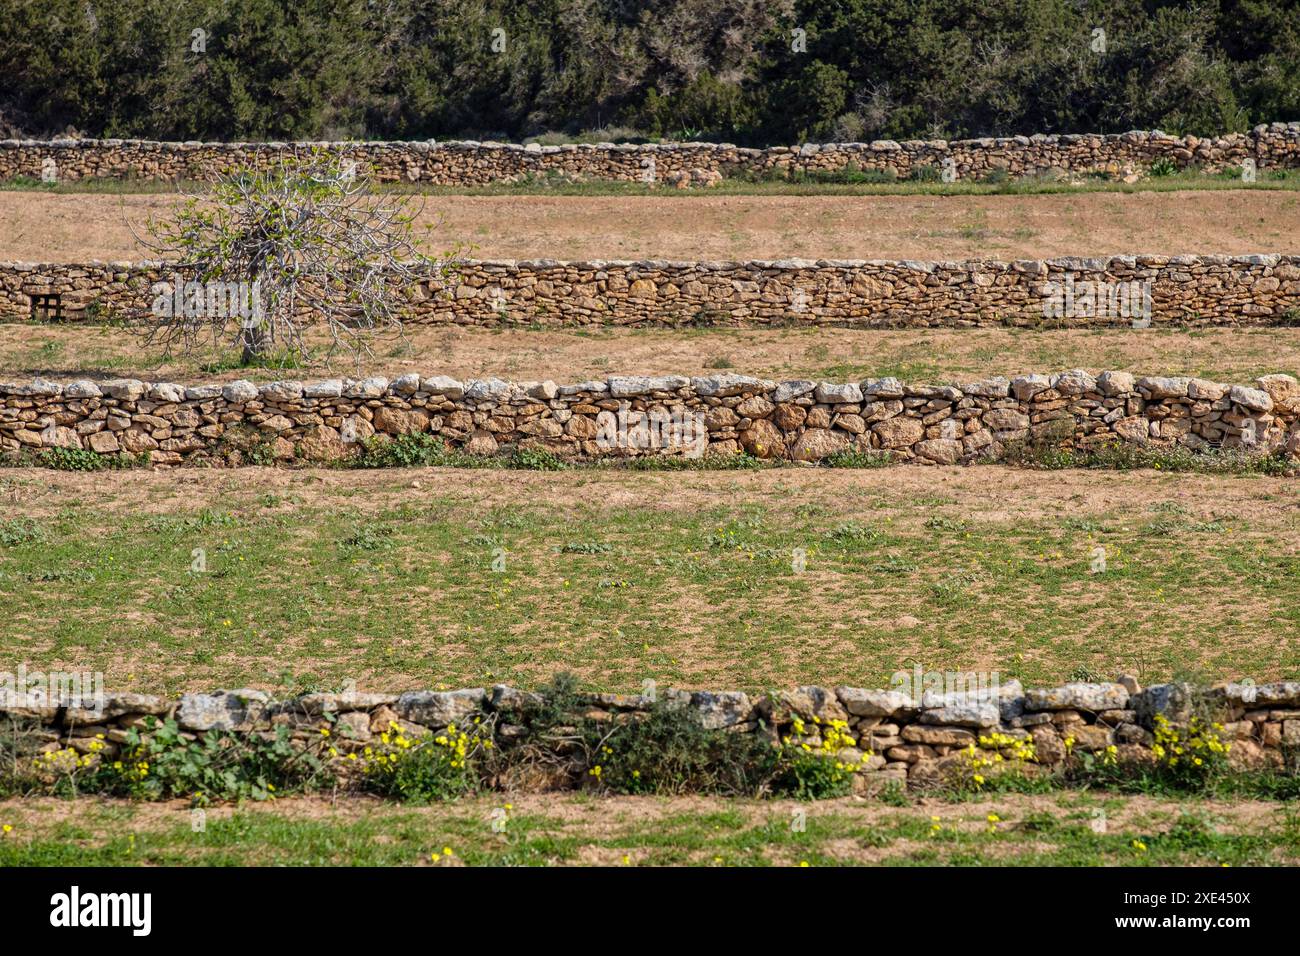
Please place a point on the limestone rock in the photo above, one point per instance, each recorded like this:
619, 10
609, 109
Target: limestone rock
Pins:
1078, 696
440, 708
876, 703
233, 710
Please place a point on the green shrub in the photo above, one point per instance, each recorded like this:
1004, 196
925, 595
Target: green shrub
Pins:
535, 459
1087, 675
670, 752
434, 767
1127, 456
368, 538
403, 451
1184, 758
710, 462
859, 458
805, 776
816, 771
85, 459
164, 765
244, 443
851, 533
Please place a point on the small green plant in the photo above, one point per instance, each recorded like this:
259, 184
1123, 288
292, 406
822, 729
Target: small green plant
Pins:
535, 459
1128, 456
851, 533
585, 547
709, 462
940, 523
817, 770
162, 764
1085, 674
16, 531
244, 443
1190, 756
893, 794
427, 768
859, 458
86, 459
1162, 166
995, 754
368, 538
404, 451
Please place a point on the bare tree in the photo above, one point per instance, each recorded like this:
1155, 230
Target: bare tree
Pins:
283, 245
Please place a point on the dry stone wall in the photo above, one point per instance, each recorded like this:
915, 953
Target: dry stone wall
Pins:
629, 416
468, 163
1067, 292
925, 736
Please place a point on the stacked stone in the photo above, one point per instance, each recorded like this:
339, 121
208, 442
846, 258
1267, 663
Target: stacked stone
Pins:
473, 163
799, 420
1184, 290
897, 738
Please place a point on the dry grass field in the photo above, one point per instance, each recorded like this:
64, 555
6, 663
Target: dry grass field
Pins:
69, 227
829, 354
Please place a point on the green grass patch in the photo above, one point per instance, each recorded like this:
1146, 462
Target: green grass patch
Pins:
1060, 830
755, 579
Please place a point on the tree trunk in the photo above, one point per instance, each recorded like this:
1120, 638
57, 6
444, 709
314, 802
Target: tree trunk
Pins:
252, 338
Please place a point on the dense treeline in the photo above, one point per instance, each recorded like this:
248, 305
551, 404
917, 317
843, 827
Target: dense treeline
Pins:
745, 71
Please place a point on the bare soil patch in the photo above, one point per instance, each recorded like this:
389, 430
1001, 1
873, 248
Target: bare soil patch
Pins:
69, 228
983, 493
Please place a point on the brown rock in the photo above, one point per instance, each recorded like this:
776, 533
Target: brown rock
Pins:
582, 426
899, 432
945, 451
720, 417
321, 443
853, 424
104, 442
1048, 745
938, 736
818, 443
911, 753
789, 417
756, 406
135, 441
818, 417
1089, 738
481, 443
763, 440
399, 421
